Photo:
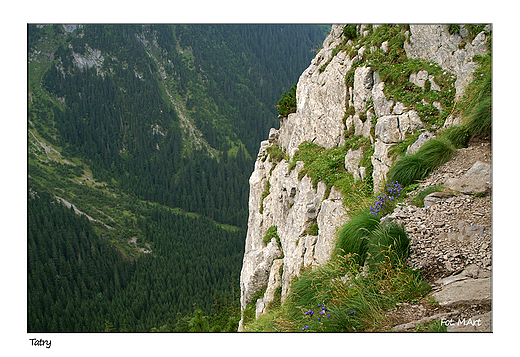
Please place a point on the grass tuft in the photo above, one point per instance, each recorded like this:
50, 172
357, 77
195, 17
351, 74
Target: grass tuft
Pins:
419, 199
478, 121
352, 237
411, 168
407, 170
457, 135
477, 103
388, 242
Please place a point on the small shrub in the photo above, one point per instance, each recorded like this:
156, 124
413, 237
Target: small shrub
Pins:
287, 104
349, 32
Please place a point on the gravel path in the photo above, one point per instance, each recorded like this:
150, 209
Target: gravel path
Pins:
450, 243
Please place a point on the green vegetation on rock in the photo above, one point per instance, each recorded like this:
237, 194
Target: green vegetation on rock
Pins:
287, 104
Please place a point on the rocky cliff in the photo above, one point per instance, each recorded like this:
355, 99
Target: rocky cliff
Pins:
351, 88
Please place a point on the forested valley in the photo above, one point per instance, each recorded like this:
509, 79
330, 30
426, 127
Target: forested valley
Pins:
141, 141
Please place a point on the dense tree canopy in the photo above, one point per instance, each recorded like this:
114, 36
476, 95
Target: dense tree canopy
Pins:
112, 99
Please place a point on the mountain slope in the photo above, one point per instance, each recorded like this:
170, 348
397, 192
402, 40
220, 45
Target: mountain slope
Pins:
132, 144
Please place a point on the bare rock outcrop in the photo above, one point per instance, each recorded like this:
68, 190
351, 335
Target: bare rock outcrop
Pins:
321, 99
293, 206
450, 51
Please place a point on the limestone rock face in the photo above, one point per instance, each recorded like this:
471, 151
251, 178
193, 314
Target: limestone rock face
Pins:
321, 97
469, 291
423, 138
293, 206
363, 84
434, 43
274, 282
352, 162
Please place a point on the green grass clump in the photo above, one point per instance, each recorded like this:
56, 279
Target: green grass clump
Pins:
453, 28
249, 312
476, 105
276, 153
313, 287
457, 135
407, 169
349, 31
477, 116
328, 166
419, 199
431, 155
272, 232
353, 236
478, 121
436, 152
388, 241
313, 230
340, 296
363, 236
342, 299
320, 164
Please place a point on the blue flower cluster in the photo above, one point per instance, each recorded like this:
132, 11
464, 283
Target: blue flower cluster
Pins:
382, 203
322, 314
